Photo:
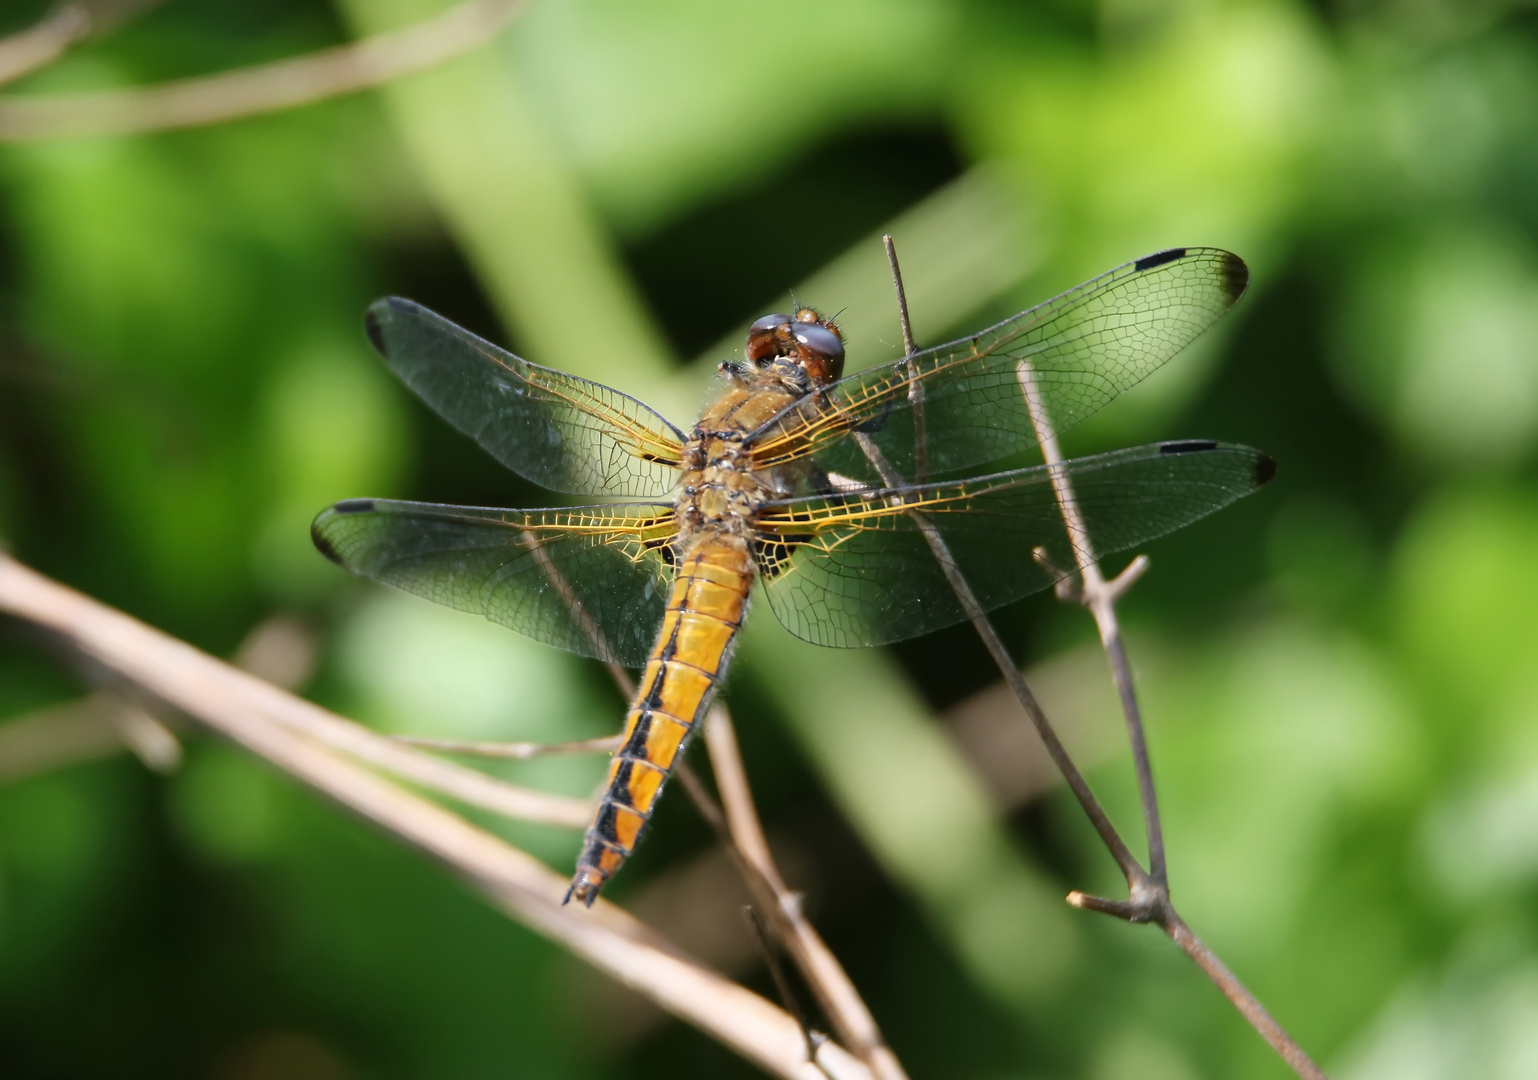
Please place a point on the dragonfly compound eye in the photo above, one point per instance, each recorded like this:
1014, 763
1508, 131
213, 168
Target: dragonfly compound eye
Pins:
764, 339
822, 353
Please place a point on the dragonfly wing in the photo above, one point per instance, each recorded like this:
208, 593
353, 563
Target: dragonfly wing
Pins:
591, 580
965, 402
562, 432
856, 569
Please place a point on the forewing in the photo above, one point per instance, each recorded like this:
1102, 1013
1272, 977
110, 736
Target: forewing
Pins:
965, 402
562, 432
591, 580
853, 570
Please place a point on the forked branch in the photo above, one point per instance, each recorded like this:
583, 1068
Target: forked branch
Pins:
250, 91
743, 838
277, 726
1148, 891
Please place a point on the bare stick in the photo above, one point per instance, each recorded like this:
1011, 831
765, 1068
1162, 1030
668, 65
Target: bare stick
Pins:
788, 999
1006, 665
915, 388
264, 88
1099, 597
1149, 899
841, 1002
242, 707
514, 751
44, 42
984, 628
743, 837
456, 781
1247, 1004
59, 735
66, 25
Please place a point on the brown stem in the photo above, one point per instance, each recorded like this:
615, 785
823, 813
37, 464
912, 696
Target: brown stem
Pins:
1248, 1005
45, 41
841, 1002
247, 711
1099, 597
743, 838
264, 88
915, 387
512, 751
1148, 899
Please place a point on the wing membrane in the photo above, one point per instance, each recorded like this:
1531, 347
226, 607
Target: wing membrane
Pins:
562, 432
852, 570
1083, 348
591, 580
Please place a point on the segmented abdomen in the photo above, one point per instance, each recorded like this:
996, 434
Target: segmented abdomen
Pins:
704, 613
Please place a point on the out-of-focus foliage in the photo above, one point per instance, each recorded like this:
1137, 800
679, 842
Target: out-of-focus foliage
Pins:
1341, 675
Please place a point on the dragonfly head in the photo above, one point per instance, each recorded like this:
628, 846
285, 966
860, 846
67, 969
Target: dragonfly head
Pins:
806, 348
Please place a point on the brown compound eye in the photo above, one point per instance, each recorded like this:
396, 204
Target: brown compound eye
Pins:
763, 339
822, 352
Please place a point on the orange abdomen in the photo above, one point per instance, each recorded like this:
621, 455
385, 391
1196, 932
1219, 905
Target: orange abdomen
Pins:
704, 613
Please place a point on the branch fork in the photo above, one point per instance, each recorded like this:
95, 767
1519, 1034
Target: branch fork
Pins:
1148, 894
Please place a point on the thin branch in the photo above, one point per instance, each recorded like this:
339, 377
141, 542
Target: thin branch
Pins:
788, 999
462, 784
1149, 899
513, 751
915, 387
990, 638
148, 737
45, 41
1248, 1005
59, 735
841, 1002
264, 88
1099, 597
242, 708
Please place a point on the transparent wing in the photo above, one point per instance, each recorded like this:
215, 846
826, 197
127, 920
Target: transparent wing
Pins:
851, 570
562, 432
591, 580
960, 405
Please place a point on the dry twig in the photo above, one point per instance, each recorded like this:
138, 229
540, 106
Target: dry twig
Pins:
1148, 892
513, 751
264, 88
247, 711
743, 837
44, 42
826, 977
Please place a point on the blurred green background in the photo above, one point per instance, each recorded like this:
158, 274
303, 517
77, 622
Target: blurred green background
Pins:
1340, 674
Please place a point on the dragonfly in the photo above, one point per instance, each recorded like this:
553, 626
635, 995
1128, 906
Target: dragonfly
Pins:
824, 490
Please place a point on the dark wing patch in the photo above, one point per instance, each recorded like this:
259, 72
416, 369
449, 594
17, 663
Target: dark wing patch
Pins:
1159, 258
1265, 469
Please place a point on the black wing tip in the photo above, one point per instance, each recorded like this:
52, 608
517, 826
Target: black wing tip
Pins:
1265, 470
375, 332
1232, 272
1187, 446
322, 542
1159, 258
1236, 276
373, 324
318, 536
